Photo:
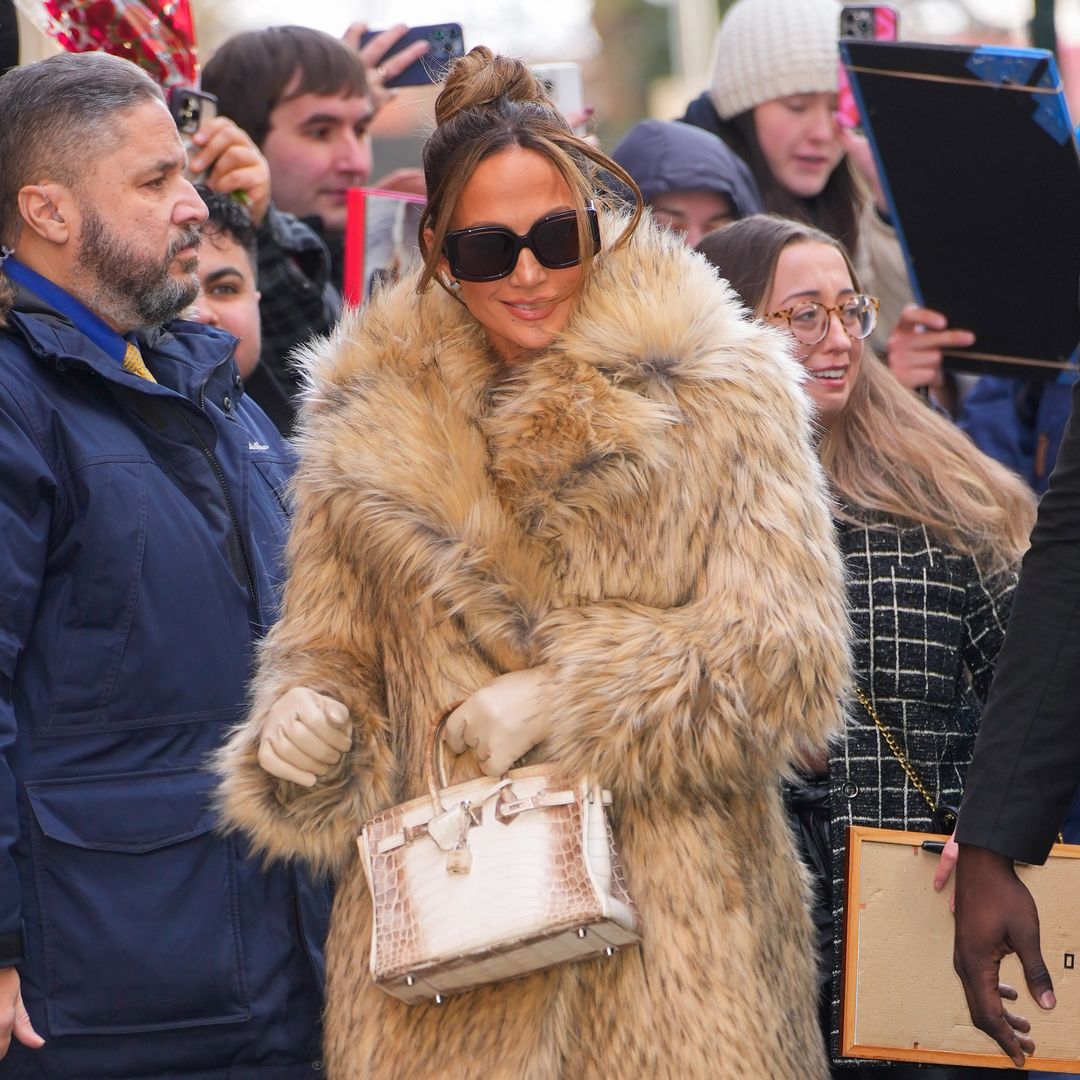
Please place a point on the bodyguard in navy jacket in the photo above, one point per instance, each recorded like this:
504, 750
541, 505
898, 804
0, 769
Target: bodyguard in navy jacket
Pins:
141, 526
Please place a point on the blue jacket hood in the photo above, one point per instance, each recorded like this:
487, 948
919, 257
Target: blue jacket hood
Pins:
665, 156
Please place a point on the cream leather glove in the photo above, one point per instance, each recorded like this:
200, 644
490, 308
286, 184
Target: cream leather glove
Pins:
501, 721
304, 735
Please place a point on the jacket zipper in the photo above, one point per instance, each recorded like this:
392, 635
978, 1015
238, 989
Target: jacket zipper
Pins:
216, 466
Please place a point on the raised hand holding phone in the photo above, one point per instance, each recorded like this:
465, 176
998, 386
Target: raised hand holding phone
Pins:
404, 56
875, 22
192, 110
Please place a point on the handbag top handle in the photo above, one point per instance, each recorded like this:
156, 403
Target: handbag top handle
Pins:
435, 767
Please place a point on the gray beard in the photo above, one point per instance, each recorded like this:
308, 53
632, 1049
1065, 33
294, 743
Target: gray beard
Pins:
125, 287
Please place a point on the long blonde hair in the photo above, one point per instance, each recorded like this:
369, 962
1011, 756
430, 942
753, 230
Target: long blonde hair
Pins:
887, 454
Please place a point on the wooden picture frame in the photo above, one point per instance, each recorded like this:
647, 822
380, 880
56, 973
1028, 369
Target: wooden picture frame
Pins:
901, 999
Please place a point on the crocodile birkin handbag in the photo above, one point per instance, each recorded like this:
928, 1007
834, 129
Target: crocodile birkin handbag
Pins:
490, 880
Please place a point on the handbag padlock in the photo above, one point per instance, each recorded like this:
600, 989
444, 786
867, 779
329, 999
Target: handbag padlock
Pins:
459, 861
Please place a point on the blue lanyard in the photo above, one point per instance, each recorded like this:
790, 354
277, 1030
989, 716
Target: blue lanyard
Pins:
61, 301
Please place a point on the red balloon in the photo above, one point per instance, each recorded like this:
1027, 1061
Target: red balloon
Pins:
159, 35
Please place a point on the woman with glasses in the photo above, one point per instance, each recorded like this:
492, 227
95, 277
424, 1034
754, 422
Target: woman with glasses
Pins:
931, 531
557, 475
773, 100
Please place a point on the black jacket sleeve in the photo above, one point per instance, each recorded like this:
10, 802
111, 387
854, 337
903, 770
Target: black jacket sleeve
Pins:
9, 36
1027, 757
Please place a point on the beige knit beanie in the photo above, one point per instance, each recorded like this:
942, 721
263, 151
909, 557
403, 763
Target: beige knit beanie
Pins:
768, 49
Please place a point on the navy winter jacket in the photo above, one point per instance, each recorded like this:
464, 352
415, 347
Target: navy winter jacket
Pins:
141, 529
701, 112
1019, 423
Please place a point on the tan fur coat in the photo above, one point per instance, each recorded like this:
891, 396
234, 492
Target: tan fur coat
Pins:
640, 508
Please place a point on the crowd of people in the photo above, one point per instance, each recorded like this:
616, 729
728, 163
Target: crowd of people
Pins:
653, 465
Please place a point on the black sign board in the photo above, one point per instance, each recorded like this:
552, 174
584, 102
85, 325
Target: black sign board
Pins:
981, 168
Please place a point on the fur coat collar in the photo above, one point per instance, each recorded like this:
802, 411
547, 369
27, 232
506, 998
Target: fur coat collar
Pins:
486, 467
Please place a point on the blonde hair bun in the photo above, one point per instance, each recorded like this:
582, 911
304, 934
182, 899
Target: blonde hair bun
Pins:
480, 78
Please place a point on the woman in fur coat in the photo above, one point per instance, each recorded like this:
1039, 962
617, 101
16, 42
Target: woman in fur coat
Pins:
931, 531
559, 475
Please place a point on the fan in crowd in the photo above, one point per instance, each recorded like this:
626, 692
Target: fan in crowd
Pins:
773, 100
931, 532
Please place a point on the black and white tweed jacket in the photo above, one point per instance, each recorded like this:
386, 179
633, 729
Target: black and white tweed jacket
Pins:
927, 630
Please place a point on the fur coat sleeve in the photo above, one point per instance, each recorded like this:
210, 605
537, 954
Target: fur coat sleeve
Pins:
737, 680
639, 509
324, 642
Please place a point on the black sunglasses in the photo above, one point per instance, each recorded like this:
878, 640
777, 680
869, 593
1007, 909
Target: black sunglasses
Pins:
490, 252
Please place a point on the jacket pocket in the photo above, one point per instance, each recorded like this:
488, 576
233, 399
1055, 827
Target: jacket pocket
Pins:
93, 591
276, 473
138, 904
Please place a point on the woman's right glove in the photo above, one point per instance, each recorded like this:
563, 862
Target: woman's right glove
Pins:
304, 735
501, 721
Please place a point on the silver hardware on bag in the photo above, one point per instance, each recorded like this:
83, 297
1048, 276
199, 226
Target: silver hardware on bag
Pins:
459, 861
491, 879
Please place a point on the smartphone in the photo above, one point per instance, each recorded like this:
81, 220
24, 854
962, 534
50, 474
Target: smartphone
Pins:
875, 22
565, 86
192, 110
445, 43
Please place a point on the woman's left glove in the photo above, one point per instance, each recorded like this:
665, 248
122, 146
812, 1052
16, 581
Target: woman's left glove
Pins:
304, 735
501, 721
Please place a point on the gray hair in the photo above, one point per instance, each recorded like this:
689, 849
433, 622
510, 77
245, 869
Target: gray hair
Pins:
58, 115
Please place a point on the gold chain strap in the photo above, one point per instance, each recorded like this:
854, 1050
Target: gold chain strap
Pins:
894, 746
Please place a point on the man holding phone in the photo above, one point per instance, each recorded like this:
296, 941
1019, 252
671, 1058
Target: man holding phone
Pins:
306, 100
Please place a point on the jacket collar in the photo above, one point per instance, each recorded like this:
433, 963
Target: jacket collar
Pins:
188, 358
70, 307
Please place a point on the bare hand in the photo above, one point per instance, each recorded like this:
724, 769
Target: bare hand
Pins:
501, 721
915, 345
304, 735
235, 164
372, 54
995, 916
407, 181
14, 1019
944, 870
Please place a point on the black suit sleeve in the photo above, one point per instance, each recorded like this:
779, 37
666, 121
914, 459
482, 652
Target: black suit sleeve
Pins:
9, 36
1027, 757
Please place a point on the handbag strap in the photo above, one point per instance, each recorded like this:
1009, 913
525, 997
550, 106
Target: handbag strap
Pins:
507, 808
435, 765
894, 746
900, 756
